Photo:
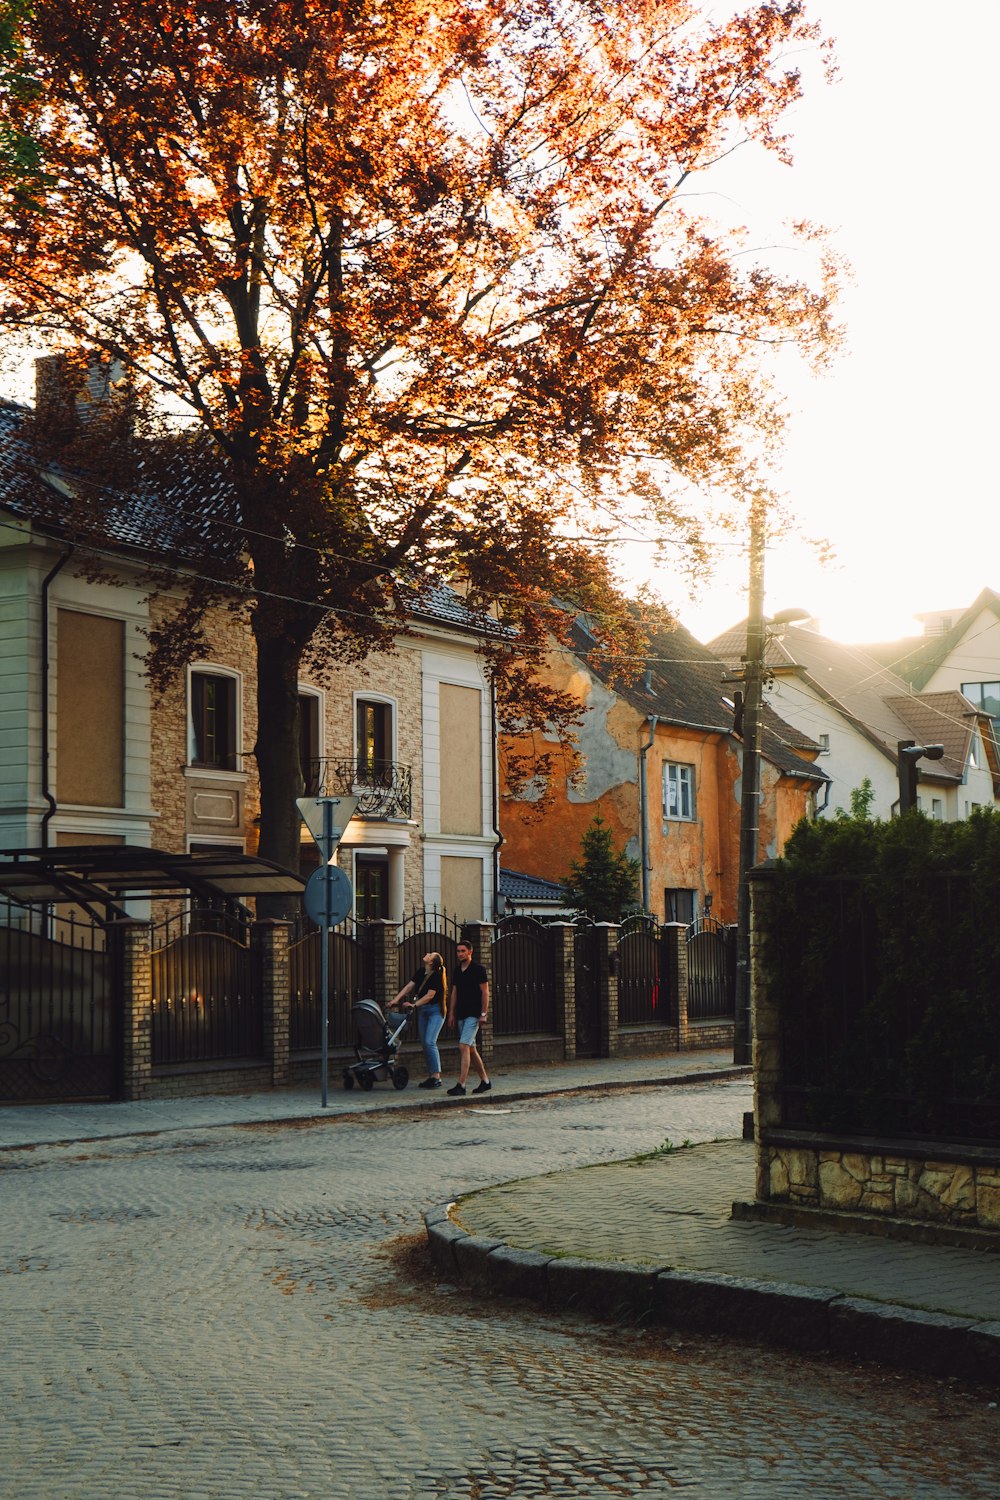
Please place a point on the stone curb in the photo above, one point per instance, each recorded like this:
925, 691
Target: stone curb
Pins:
376, 1104
815, 1320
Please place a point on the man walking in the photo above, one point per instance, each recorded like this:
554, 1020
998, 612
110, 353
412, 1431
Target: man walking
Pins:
468, 1002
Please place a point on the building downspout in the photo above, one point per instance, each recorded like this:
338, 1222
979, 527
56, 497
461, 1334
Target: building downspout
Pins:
52, 808
495, 792
644, 809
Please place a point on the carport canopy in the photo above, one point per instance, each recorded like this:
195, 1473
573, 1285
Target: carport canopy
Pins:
104, 874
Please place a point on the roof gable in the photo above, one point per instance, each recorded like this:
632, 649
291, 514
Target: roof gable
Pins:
687, 686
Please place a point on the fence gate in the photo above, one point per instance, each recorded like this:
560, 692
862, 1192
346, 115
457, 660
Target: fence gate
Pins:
643, 996
60, 1025
352, 978
427, 932
586, 967
206, 1003
711, 965
524, 991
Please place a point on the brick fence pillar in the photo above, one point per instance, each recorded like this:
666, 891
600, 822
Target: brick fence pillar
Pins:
130, 942
270, 941
386, 959
563, 937
675, 941
607, 981
766, 1027
480, 935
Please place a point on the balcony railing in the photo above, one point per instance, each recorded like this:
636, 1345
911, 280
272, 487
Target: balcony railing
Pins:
384, 787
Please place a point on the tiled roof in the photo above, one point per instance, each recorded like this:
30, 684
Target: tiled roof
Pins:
178, 513
947, 719
687, 685
166, 514
847, 676
517, 886
877, 700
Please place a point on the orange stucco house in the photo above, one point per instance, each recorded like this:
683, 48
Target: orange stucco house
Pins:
662, 764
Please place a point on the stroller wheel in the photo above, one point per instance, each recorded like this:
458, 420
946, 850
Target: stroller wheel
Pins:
348, 1079
366, 1081
400, 1078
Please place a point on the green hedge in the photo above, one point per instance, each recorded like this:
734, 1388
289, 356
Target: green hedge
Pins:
882, 944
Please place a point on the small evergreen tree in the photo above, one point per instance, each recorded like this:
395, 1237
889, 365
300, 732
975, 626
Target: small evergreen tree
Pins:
604, 881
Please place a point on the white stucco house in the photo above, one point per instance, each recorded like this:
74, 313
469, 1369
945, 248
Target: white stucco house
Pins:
859, 709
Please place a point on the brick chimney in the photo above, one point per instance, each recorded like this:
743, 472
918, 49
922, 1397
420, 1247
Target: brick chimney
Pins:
72, 390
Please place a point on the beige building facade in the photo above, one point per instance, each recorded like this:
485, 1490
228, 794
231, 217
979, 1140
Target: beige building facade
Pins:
89, 754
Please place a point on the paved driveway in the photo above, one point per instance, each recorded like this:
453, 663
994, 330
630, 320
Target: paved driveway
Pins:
226, 1313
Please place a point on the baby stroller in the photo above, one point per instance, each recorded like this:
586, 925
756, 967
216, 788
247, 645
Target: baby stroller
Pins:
376, 1042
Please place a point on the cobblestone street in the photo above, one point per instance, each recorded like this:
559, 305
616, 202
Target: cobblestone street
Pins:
204, 1315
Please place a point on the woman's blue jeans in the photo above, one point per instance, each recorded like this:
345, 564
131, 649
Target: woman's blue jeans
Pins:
430, 1020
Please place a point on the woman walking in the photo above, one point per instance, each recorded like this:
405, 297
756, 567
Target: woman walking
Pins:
428, 987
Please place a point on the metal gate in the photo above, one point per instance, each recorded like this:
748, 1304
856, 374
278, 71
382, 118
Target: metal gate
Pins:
524, 992
643, 994
427, 932
352, 978
206, 1003
586, 968
60, 1025
711, 966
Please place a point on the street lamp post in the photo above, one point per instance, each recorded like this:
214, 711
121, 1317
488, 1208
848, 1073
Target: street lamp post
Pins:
907, 755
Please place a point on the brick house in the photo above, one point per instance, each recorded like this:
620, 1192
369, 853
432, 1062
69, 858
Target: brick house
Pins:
663, 766
88, 755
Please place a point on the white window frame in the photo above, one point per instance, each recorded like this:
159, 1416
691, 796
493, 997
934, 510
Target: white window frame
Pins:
684, 782
215, 669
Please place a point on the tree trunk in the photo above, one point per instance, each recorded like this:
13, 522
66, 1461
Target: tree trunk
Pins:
277, 754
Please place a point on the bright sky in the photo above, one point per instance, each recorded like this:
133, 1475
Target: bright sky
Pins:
892, 456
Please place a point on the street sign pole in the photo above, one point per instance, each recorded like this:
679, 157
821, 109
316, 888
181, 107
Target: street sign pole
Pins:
325, 968
328, 896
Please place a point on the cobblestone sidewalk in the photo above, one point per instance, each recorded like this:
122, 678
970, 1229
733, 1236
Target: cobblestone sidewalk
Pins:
926, 1306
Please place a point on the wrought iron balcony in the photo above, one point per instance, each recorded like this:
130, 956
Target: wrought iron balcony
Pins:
384, 787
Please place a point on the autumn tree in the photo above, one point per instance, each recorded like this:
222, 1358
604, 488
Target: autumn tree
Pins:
19, 152
420, 286
604, 882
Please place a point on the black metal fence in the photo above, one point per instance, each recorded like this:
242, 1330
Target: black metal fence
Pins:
587, 977
711, 970
643, 983
59, 1024
524, 996
206, 1003
351, 978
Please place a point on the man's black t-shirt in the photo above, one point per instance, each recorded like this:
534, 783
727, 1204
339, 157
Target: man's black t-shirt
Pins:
468, 999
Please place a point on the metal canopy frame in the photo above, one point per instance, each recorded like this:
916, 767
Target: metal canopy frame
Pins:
103, 874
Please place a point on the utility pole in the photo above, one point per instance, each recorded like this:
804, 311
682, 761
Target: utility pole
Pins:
753, 695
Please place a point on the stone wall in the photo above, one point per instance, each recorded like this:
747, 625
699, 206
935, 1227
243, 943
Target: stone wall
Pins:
901, 1181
